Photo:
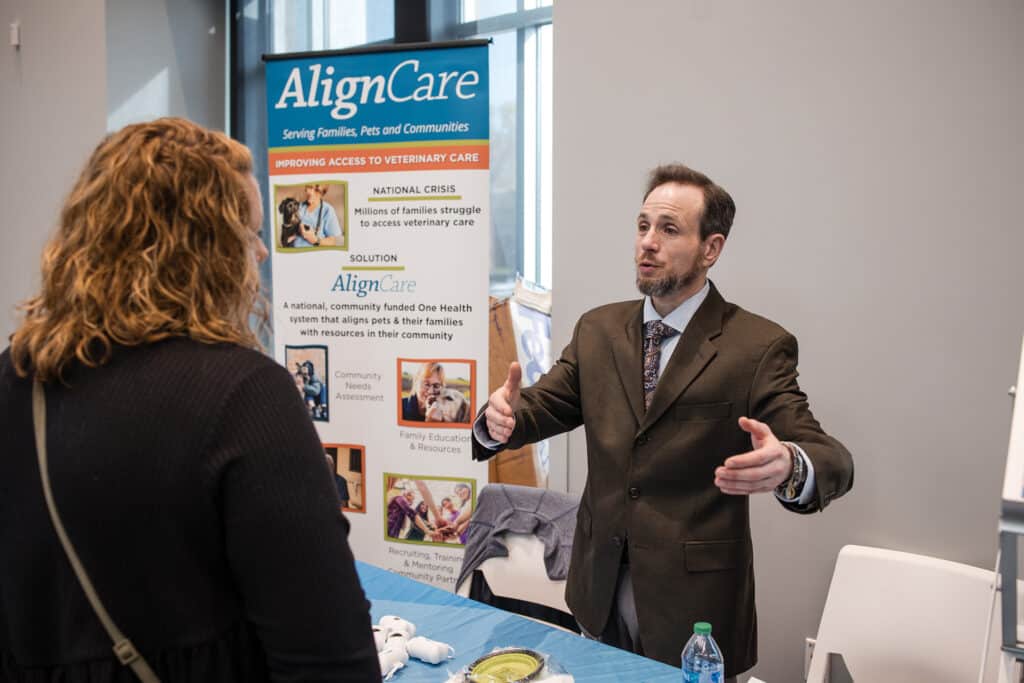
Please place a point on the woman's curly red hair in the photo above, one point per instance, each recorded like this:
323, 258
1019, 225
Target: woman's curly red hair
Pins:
154, 241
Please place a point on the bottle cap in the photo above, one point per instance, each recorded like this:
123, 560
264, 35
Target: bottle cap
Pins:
702, 628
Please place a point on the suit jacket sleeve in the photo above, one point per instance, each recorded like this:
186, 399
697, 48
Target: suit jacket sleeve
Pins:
550, 406
776, 399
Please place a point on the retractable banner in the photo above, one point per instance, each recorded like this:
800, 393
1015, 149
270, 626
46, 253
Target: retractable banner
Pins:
379, 193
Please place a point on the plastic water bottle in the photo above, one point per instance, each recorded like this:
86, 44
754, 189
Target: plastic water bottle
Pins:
702, 660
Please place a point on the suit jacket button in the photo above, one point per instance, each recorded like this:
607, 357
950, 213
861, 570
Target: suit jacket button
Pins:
641, 440
634, 492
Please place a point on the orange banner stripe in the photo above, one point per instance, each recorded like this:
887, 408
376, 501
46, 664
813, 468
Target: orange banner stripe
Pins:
389, 159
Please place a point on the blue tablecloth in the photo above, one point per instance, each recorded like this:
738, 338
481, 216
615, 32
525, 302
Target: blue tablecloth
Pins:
474, 629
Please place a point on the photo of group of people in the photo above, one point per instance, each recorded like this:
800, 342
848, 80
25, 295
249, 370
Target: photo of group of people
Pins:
432, 510
312, 216
436, 392
308, 365
347, 462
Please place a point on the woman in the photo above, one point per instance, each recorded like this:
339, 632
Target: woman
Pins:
449, 515
421, 528
319, 221
448, 511
426, 387
461, 523
184, 467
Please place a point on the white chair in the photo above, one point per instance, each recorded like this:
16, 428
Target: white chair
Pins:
522, 575
897, 617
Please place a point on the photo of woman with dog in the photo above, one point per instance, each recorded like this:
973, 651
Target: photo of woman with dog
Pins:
435, 393
307, 219
165, 432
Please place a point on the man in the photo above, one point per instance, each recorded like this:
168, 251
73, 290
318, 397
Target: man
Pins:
340, 482
312, 389
400, 509
426, 387
663, 532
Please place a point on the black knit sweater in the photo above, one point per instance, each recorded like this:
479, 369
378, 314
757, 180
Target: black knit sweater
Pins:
194, 487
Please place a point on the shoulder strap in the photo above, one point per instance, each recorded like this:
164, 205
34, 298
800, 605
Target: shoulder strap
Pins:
123, 648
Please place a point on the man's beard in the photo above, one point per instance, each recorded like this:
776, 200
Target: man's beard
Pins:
666, 285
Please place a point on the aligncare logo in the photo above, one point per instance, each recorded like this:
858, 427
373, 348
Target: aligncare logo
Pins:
408, 81
363, 285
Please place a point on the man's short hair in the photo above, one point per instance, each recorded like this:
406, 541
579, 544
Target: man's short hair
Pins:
719, 209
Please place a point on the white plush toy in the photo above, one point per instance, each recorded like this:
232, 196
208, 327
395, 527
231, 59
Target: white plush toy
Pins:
391, 660
430, 651
395, 642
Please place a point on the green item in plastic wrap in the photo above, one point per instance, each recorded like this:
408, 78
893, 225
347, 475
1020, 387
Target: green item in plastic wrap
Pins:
507, 666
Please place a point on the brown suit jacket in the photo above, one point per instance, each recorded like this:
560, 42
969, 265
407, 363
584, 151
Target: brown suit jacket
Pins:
650, 482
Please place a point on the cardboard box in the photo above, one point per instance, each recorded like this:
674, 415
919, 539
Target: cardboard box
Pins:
520, 329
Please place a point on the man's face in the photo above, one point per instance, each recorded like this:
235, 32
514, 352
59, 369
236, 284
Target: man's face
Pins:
669, 255
409, 495
430, 388
463, 492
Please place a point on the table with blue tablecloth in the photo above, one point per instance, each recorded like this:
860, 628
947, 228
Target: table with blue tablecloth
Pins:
474, 629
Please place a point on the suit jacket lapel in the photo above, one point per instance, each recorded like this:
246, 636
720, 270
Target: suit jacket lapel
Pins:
627, 350
692, 354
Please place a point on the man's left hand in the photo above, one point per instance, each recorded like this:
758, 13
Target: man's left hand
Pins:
757, 471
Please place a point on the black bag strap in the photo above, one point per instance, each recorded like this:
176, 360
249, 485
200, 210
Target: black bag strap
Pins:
123, 648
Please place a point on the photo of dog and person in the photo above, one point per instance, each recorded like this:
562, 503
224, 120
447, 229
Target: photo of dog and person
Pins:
436, 393
347, 463
312, 216
432, 510
308, 365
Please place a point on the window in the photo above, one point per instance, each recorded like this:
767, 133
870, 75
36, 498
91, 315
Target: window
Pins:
521, 107
303, 25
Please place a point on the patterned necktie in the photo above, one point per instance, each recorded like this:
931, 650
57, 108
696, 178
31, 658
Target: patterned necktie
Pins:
655, 332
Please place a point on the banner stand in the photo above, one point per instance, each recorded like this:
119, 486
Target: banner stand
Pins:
379, 194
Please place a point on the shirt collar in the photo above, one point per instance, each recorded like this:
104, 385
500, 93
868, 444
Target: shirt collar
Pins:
680, 316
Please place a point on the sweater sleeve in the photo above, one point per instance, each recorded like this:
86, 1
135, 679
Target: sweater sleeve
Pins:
285, 536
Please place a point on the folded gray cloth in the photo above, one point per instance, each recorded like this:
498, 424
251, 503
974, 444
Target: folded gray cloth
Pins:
549, 515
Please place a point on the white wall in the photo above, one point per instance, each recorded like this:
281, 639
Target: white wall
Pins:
165, 58
874, 151
52, 113
83, 65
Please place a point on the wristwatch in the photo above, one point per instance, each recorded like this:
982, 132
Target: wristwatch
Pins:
791, 488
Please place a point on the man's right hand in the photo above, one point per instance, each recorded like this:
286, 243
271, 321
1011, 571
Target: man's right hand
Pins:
501, 407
